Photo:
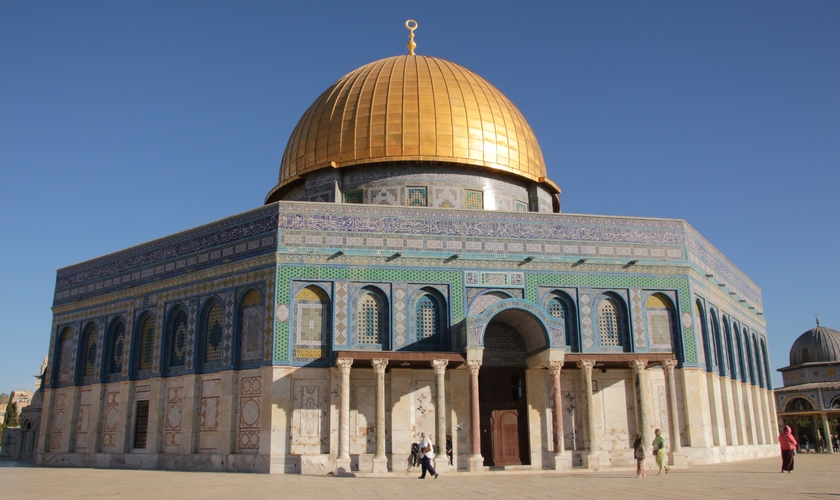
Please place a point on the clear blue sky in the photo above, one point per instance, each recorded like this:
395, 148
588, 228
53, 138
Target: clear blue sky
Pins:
122, 122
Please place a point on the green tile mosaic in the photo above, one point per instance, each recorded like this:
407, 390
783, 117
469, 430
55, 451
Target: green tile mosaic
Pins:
533, 281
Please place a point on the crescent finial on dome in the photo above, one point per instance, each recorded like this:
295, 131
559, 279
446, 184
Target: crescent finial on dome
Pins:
411, 24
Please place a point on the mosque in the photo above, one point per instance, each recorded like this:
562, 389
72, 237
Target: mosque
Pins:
809, 402
410, 272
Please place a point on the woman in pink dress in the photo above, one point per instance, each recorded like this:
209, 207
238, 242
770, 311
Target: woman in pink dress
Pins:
788, 445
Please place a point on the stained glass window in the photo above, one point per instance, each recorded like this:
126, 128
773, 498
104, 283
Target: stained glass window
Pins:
521, 206
608, 322
178, 339
416, 197
474, 200
147, 343
370, 320
90, 350
427, 325
659, 320
213, 334
251, 327
117, 347
312, 311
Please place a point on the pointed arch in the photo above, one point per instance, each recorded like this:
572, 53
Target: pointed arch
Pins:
428, 319
742, 365
717, 344
212, 332
87, 353
64, 357
371, 318
661, 316
611, 321
116, 347
250, 328
313, 314
710, 360
561, 307
767, 375
750, 356
176, 337
730, 349
144, 344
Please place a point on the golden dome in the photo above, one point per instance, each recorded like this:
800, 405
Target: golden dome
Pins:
412, 108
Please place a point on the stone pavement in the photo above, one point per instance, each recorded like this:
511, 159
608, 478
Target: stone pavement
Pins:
815, 476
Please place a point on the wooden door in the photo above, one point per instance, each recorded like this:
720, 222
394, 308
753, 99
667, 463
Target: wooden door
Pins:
505, 437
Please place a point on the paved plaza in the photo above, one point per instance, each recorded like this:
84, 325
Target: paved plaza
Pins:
816, 476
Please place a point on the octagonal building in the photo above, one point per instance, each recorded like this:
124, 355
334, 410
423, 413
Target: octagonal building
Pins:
411, 271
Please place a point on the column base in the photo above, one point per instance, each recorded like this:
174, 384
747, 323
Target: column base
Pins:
441, 464
678, 460
342, 467
476, 464
593, 460
380, 465
561, 461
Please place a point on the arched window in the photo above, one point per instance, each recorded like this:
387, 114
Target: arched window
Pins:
212, 332
116, 346
730, 349
609, 323
176, 335
704, 334
427, 320
742, 366
716, 342
759, 368
767, 376
835, 403
312, 317
799, 404
371, 323
660, 321
146, 344
251, 327
65, 356
88, 353
560, 307
750, 357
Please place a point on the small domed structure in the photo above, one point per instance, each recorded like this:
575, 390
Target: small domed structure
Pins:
818, 345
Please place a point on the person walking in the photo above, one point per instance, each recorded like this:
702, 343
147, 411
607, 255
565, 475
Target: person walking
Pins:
787, 443
639, 453
659, 452
428, 451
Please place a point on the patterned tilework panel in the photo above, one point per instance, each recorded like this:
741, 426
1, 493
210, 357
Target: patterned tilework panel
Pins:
637, 318
585, 281
400, 312
287, 274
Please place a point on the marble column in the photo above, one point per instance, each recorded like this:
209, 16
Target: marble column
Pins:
827, 433
342, 462
476, 460
592, 439
441, 462
380, 461
643, 421
671, 390
554, 368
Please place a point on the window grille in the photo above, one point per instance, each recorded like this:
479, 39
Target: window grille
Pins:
117, 347
251, 327
213, 332
608, 321
556, 309
90, 351
416, 197
141, 424
426, 321
354, 197
65, 367
147, 344
370, 320
178, 339
474, 200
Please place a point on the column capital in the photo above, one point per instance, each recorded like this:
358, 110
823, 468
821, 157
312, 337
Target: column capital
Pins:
344, 364
554, 367
638, 365
586, 365
439, 365
473, 365
669, 364
379, 365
